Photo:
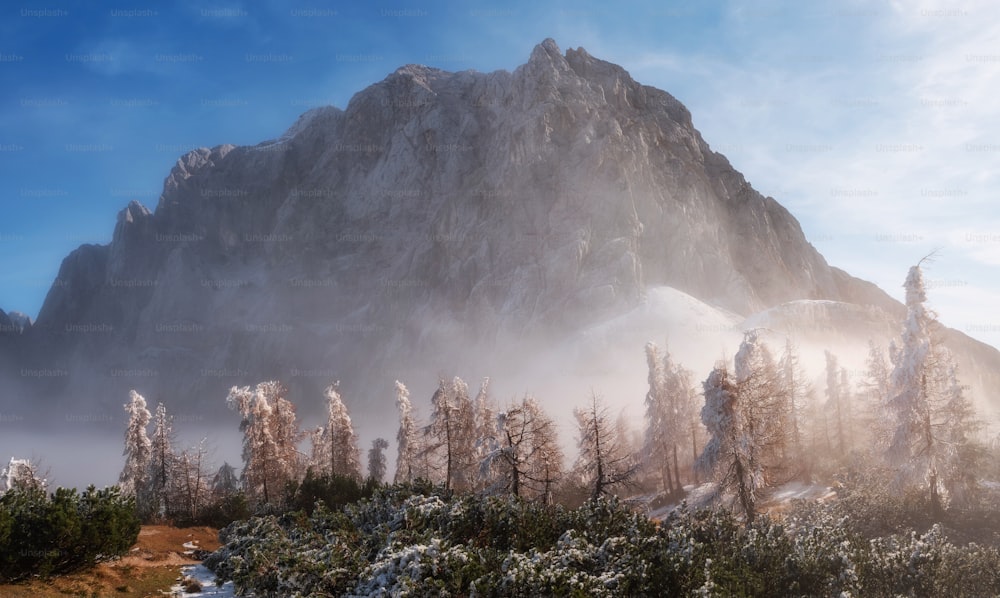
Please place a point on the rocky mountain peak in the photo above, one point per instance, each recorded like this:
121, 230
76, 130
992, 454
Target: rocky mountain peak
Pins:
547, 56
439, 219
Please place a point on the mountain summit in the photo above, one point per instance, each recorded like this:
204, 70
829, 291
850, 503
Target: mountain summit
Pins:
441, 221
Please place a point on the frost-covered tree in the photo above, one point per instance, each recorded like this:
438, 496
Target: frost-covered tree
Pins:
339, 453
728, 456
796, 389
765, 404
319, 456
138, 450
376, 460
961, 455
21, 474
661, 422
452, 433
604, 461
912, 448
835, 402
847, 408
486, 438
162, 464
284, 431
670, 417
524, 457
933, 420
409, 445
191, 487
877, 393
743, 416
225, 482
270, 434
465, 475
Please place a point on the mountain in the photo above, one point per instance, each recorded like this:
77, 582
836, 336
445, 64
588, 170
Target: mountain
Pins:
442, 223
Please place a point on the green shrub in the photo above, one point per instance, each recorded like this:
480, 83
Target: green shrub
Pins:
44, 535
332, 490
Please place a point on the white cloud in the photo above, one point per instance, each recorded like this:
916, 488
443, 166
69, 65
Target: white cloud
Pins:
882, 138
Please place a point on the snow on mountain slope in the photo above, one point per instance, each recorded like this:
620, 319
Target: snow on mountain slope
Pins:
695, 331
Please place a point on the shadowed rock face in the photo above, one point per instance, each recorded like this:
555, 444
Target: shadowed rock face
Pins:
441, 220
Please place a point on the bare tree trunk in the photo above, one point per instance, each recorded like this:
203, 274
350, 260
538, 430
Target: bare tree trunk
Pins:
694, 455
744, 495
677, 472
599, 482
666, 478
447, 448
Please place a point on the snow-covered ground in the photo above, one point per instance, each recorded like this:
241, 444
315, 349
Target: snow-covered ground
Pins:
203, 576
697, 497
800, 490
207, 580
700, 496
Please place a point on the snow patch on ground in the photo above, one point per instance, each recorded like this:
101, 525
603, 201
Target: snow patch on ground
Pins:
799, 490
696, 497
702, 496
207, 580
203, 576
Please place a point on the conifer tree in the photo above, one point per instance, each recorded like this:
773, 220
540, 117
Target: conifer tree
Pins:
376, 460
407, 439
162, 463
525, 458
270, 435
604, 462
138, 450
931, 446
338, 439
743, 415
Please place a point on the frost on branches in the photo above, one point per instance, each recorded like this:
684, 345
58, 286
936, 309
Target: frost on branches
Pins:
604, 461
486, 435
138, 449
21, 474
931, 446
162, 465
335, 447
451, 435
270, 458
524, 458
796, 389
744, 416
376, 460
670, 418
407, 439
877, 388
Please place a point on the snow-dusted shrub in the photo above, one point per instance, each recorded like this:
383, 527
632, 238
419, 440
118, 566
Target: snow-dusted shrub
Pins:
928, 565
289, 555
413, 541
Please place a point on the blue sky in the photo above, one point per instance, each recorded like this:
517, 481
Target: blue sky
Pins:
875, 123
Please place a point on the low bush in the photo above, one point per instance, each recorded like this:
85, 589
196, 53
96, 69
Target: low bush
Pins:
420, 540
44, 534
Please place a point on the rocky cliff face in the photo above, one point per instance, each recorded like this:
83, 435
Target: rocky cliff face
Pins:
440, 221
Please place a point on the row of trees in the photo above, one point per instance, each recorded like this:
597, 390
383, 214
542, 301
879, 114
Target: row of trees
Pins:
175, 485
165, 483
754, 424
923, 426
469, 445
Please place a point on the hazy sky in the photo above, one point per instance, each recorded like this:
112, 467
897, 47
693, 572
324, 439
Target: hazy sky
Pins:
875, 122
